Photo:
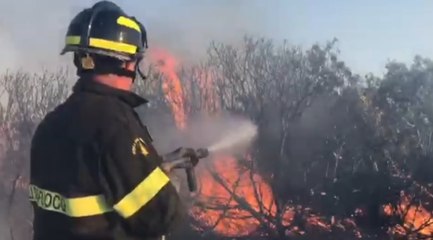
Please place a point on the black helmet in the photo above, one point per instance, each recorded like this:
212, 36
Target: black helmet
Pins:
105, 30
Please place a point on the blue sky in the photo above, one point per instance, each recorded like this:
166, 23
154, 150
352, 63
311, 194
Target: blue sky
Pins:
370, 32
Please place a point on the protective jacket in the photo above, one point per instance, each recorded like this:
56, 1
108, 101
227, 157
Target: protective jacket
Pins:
95, 173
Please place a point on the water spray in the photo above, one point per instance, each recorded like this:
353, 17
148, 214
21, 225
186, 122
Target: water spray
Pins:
235, 139
231, 142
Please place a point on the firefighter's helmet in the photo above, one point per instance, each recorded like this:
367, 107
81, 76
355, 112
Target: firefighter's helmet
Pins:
105, 29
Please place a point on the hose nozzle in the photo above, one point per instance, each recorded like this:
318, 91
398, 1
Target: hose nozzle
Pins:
190, 173
202, 152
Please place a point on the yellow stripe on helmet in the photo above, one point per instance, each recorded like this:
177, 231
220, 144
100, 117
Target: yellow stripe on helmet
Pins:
104, 44
142, 194
73, 40
127, 22
114, 46
73, 207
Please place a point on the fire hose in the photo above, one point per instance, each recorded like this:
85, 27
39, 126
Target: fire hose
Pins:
174, 162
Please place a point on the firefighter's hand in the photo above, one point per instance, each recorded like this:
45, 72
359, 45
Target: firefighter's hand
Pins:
167, 167
175, 180
187, 153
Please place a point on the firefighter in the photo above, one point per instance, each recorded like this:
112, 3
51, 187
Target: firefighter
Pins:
94, 171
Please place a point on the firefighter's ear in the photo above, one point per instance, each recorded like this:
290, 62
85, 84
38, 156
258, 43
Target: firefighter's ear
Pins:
87, 62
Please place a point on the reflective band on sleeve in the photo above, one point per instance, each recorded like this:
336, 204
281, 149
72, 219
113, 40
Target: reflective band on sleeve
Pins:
73, 207
104, 44
127, 22
142, 194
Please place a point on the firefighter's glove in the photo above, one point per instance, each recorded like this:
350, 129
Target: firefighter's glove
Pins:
180, 158
188, 154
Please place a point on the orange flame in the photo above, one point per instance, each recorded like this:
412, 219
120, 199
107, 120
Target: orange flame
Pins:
227, 180
232, 201
172, 85
415, 217
230, 197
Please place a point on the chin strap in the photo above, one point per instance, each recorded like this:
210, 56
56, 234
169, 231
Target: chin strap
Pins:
138, 69
117, 71
144, 77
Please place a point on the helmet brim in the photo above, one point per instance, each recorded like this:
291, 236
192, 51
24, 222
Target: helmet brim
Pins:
117, 55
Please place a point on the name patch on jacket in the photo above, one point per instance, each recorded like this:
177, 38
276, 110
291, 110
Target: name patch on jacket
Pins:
47, 200
74, 207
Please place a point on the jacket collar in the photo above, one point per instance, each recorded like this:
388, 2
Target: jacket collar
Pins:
86, 84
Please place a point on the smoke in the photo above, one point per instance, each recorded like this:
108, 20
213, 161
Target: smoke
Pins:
4, 229
222, 134
32, 35
7, 56
186, 27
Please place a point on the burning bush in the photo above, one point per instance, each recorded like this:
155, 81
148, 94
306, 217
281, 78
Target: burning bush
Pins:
337, 155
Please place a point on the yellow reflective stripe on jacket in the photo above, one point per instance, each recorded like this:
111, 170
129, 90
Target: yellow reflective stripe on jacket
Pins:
73, 207
142, 194
104, 44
